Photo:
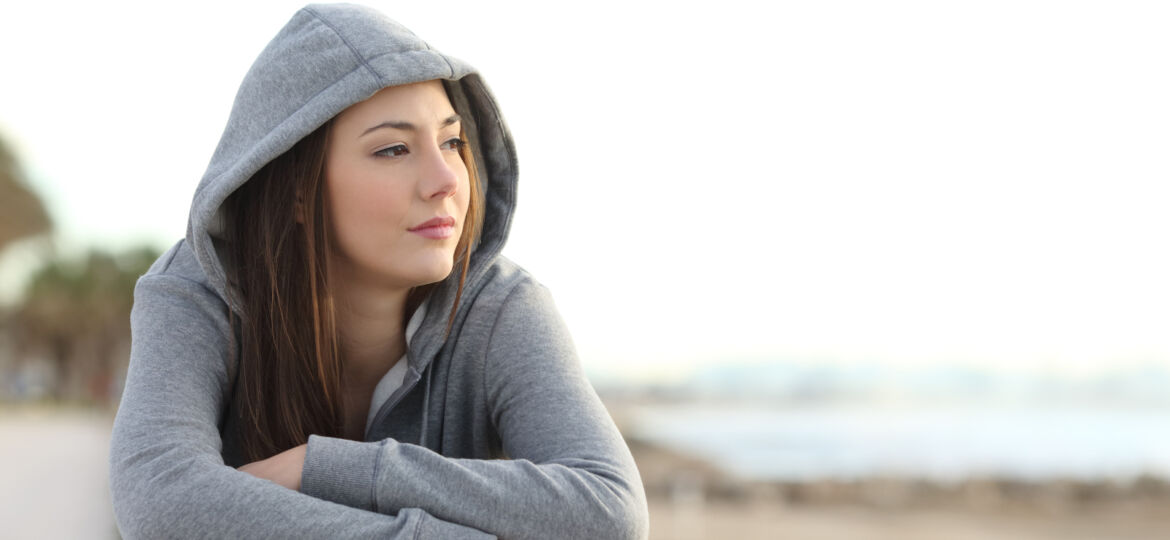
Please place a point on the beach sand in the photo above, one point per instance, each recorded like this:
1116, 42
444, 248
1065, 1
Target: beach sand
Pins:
53, 474
773, 521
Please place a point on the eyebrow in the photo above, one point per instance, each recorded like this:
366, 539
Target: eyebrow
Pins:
408, 126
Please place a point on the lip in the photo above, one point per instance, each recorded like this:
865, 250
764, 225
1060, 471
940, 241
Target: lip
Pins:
437, 228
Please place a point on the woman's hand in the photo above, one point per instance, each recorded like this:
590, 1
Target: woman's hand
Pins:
283, 468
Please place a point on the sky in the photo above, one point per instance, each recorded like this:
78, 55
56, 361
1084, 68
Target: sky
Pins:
840, 181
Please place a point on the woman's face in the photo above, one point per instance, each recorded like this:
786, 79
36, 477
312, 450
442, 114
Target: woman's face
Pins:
398, 188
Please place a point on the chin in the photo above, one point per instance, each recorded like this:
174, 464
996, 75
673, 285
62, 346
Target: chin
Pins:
433, 274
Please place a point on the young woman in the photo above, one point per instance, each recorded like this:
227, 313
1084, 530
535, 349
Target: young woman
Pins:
337, 349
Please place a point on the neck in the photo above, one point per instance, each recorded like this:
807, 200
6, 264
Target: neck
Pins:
371, 331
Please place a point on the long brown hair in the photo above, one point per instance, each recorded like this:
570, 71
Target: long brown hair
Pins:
289, 366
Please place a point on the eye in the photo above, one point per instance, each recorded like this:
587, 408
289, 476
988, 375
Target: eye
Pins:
454, 143
397, 150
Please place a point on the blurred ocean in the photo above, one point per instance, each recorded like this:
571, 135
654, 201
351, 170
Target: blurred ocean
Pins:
942, 442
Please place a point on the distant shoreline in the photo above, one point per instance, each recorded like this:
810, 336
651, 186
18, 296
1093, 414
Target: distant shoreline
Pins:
672, 474
669, 475
929, 443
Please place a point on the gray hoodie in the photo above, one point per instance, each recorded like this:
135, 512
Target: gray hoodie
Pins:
495, 430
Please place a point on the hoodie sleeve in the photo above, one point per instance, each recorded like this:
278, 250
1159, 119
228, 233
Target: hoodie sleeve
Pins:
167, 478
571, 475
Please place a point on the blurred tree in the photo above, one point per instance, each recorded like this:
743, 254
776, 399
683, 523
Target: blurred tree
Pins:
21, 212
75, 316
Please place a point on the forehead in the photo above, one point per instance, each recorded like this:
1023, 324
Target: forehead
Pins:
423, 103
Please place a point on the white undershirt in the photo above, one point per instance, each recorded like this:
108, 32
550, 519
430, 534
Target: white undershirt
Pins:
393, 378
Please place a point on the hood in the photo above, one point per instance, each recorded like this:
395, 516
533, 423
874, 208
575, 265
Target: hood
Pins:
288, 93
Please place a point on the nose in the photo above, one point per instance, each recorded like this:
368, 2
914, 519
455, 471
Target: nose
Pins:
439, 178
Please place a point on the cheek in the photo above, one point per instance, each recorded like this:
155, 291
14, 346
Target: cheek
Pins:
365, 211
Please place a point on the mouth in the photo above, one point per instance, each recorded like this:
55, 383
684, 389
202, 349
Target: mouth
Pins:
436, 228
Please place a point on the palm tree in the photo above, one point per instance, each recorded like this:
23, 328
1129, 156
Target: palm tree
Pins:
21, 215
74, 316
21, 212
